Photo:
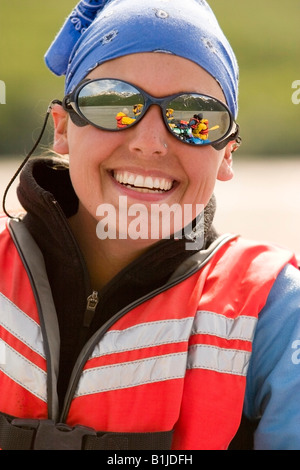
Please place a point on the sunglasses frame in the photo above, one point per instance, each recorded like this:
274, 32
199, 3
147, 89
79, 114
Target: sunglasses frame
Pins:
70, 104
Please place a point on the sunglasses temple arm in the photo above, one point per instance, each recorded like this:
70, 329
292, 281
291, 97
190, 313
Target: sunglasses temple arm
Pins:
27, 157
235, 136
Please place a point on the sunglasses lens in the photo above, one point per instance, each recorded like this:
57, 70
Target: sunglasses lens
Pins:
110, 104
198, 119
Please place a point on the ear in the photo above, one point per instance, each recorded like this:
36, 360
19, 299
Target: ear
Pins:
225, 172
60, 120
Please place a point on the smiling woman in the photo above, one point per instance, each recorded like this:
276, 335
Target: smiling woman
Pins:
151, 153
148, 332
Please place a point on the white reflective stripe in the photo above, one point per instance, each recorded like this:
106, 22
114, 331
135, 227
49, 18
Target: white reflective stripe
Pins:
132, 374
21, 325
210, 323
144, 335
227, 361
24, 372
2, 353
167, 367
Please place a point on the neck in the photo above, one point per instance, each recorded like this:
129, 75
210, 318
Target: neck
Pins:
104, 258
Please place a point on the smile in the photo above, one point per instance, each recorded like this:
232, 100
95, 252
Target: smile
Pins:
142, 183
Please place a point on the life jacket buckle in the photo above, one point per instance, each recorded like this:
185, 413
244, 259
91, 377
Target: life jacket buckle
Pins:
55, 436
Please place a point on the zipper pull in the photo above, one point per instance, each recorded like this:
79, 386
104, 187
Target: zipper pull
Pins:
92, 302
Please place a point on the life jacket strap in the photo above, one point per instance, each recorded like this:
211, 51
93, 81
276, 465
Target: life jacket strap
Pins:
35, 434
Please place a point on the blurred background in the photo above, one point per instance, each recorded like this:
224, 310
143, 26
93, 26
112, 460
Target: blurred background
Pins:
263, 200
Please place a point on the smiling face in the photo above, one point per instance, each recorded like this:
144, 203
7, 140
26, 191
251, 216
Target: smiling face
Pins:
145, 163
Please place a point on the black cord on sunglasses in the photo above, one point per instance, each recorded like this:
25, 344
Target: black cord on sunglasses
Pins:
27, 157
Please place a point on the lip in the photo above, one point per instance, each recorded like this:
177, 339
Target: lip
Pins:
144, 193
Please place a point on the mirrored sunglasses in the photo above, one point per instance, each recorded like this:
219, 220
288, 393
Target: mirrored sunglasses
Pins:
116, 105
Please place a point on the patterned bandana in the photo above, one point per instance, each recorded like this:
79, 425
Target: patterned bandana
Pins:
101, 30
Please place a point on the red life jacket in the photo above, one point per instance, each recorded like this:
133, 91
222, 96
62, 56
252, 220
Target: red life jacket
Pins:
175, 360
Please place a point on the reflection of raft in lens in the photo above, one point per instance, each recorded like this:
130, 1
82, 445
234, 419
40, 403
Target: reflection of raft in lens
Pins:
182, 130
197, 141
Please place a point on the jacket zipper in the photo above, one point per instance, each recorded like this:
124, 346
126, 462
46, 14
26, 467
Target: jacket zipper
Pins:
86, 352
92, 302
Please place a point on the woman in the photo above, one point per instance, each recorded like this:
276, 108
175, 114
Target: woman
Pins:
133, 332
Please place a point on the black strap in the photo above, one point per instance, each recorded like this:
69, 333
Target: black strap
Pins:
130, 441
12, 437
27, 434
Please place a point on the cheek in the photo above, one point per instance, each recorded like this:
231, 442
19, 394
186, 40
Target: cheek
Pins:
92, 145
202, 169
90, 150
82, 160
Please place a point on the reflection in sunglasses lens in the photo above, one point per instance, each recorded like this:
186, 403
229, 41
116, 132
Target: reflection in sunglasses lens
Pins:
192, 118
110, 104
197, 119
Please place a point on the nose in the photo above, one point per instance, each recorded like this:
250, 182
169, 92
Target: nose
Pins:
149, 137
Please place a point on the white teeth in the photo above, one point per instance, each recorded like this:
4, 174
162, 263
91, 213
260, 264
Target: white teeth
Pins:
130, 179
148, 182
156, 183
143, 183
139, 182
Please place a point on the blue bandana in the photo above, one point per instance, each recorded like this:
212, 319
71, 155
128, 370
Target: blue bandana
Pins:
101, 30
